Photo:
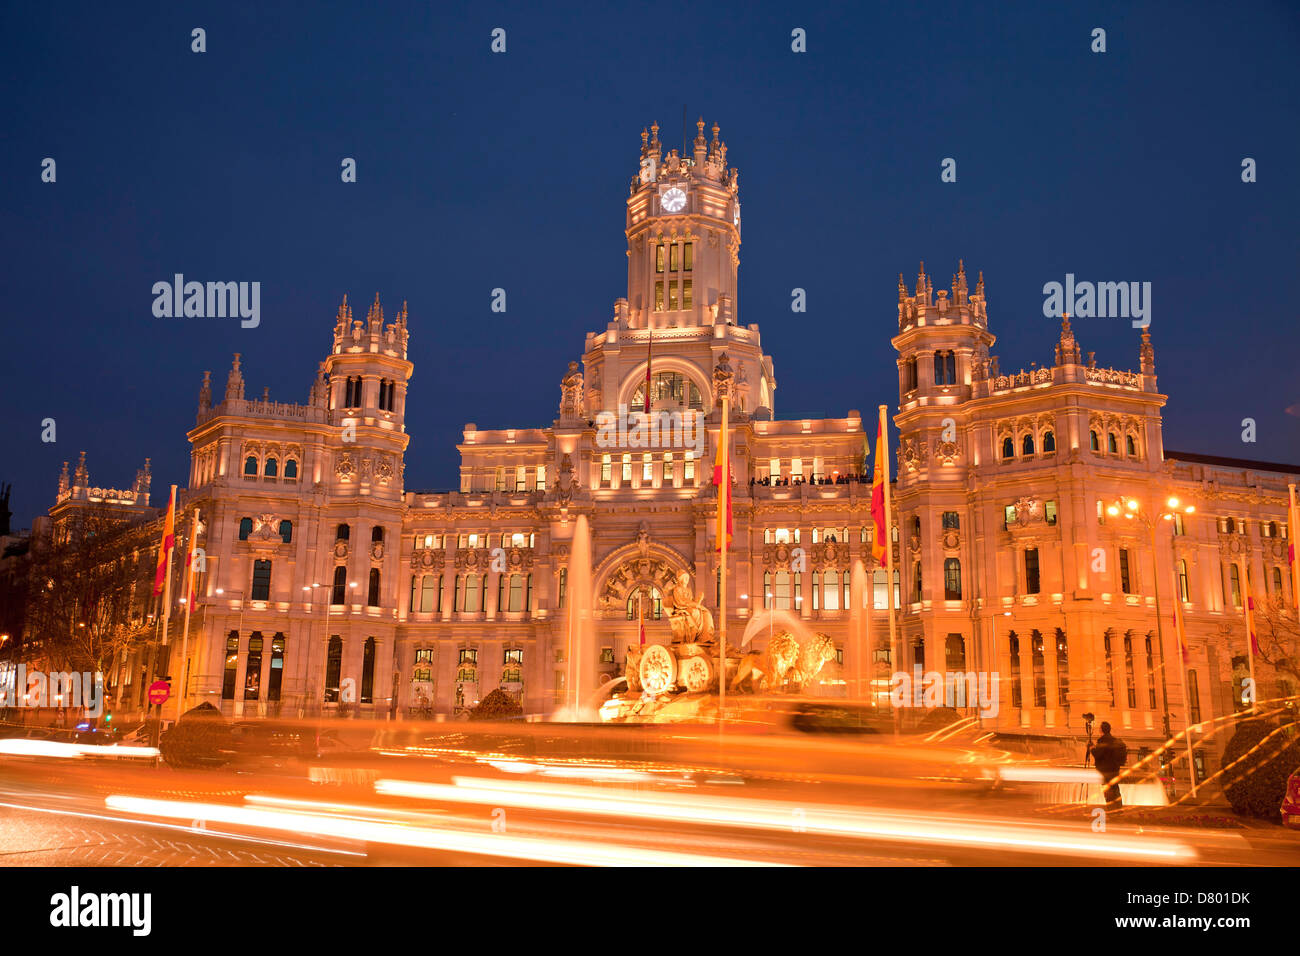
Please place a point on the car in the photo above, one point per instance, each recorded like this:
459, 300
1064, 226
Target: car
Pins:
1291, 802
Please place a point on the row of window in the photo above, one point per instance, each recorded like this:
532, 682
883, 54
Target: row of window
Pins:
1038, 668
783, 590
514, 593
253, 670
1027, 446
679, 298
1112, 444
668, 468
271, 468
1267, 529
512, 663
352, 397
945, 370
676, 256
506, 539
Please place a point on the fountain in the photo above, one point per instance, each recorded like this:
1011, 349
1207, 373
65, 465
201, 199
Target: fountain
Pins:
858, 622
680, 681
580, 668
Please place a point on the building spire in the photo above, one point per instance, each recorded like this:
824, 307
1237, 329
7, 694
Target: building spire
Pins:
81, 477
235, 381
343, 319
1148, 353
64, 482
205, 393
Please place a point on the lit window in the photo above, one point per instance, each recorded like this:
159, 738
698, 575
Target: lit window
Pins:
627, 469
647, 468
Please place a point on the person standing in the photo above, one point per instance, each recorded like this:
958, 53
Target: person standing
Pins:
1109, 754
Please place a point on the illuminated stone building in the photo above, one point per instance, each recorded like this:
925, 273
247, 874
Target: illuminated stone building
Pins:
332, 584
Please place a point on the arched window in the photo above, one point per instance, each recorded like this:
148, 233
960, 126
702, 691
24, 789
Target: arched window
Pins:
1093, 441
1183, 592
333, 669
945, 368
339, 591
1008, 449
1027, 445
1277, 582
245, 528
1234, 576
291, 468
952, 579
272, 469
916, 582
669, 388
1049, 442
372, 595
377, 533
916, 525
232, 666
276, 675
1151, 675
909, 375
344, 532
1130, 446
647, 601
250, 466
471, 593
1112, 445
286, 531
253, 671
368, 671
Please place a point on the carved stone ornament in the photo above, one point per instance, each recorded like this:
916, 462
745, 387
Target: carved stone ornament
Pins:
377, 551
342, 549
427, 558
344, 468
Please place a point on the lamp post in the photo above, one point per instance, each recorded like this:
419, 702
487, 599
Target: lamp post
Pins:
1132, 510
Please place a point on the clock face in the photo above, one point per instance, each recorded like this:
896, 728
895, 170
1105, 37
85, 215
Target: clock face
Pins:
673, 199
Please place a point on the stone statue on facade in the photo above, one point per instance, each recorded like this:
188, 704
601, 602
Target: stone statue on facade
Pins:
571, 393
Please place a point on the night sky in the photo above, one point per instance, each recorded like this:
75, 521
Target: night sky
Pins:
478, 171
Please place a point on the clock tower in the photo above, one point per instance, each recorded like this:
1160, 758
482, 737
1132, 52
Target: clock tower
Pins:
683, 234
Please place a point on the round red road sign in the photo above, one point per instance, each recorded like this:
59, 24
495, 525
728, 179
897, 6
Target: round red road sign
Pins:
159, 691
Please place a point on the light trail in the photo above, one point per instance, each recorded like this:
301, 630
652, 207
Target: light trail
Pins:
772, 815
540, 849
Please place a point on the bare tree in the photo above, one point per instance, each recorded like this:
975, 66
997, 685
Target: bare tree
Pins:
1277, 631
89, 586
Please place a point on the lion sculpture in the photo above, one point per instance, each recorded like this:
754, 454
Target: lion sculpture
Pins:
784, 660
766, 670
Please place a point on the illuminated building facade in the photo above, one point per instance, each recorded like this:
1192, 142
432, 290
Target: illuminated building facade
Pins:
331, 585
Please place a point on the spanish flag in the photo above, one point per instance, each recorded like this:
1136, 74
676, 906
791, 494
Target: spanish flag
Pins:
1180, 629
722, 467
879, 521
1250, 620
168, 542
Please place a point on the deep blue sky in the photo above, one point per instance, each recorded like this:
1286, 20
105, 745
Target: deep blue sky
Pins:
479, 171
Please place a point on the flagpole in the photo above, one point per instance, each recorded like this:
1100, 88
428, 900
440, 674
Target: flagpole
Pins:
1184, 649
167, 602
1250, 631
189, 603
724, 489
889, 551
